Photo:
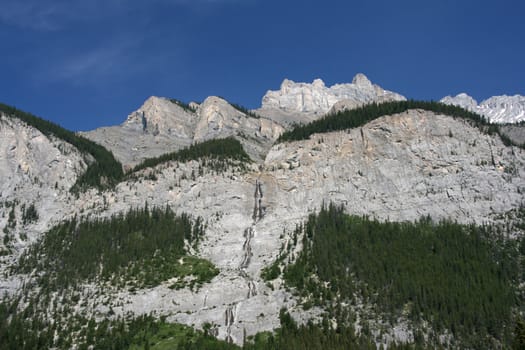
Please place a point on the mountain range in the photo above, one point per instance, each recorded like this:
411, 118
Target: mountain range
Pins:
251, 192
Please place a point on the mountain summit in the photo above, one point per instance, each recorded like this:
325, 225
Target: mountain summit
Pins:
316, 99
497, 109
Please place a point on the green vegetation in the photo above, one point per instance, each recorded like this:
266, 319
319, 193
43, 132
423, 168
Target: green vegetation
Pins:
29, 214
104, 171
308, 337
219, 153
360, 116
141, 248
20, 330
200, 271
245, 110
451, 275
183, 105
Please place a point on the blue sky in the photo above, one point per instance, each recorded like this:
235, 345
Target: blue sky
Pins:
85, 64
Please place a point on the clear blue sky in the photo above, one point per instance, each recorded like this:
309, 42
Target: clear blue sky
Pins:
88, 63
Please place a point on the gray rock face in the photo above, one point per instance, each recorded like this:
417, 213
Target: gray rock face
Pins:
219, 119
497, 109
34, 170
516, 132
161, 126
303, 102
400, 168
396, 167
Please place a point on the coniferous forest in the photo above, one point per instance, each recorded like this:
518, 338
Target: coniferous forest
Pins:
220, 153
140, 248
357, 117
458, 278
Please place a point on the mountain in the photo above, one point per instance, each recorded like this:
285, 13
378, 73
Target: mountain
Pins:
263, 253
303, 102
497, 109
164, 125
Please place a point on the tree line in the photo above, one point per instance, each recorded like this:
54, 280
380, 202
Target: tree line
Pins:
103, 172
354, 118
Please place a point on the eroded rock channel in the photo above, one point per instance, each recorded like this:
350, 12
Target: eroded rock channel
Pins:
230, 314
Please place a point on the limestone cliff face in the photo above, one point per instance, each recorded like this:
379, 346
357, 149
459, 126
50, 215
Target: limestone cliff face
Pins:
159, 115
396, 167
402, 167
35, 170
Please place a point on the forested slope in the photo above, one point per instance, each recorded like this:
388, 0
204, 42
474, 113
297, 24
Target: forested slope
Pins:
360, 116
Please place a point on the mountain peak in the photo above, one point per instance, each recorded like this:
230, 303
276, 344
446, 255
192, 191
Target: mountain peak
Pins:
462, 100
361, 80
497, 109
317, 99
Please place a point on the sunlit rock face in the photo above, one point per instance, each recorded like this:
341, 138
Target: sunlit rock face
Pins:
303, 102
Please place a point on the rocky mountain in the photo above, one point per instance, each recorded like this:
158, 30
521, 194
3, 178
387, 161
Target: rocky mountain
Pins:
162, 125
303, 102
497, 109
410, 166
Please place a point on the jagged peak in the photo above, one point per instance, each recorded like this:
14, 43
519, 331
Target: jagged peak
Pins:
361, 80
462, 99
213, 100
318, 99
318, 83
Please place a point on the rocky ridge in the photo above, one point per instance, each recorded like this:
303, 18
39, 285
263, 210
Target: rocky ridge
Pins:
162, 125
35, 168
303, 102
497, 109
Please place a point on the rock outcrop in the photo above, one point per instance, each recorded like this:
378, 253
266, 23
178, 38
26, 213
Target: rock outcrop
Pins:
402, 167
36, 171
398, 167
